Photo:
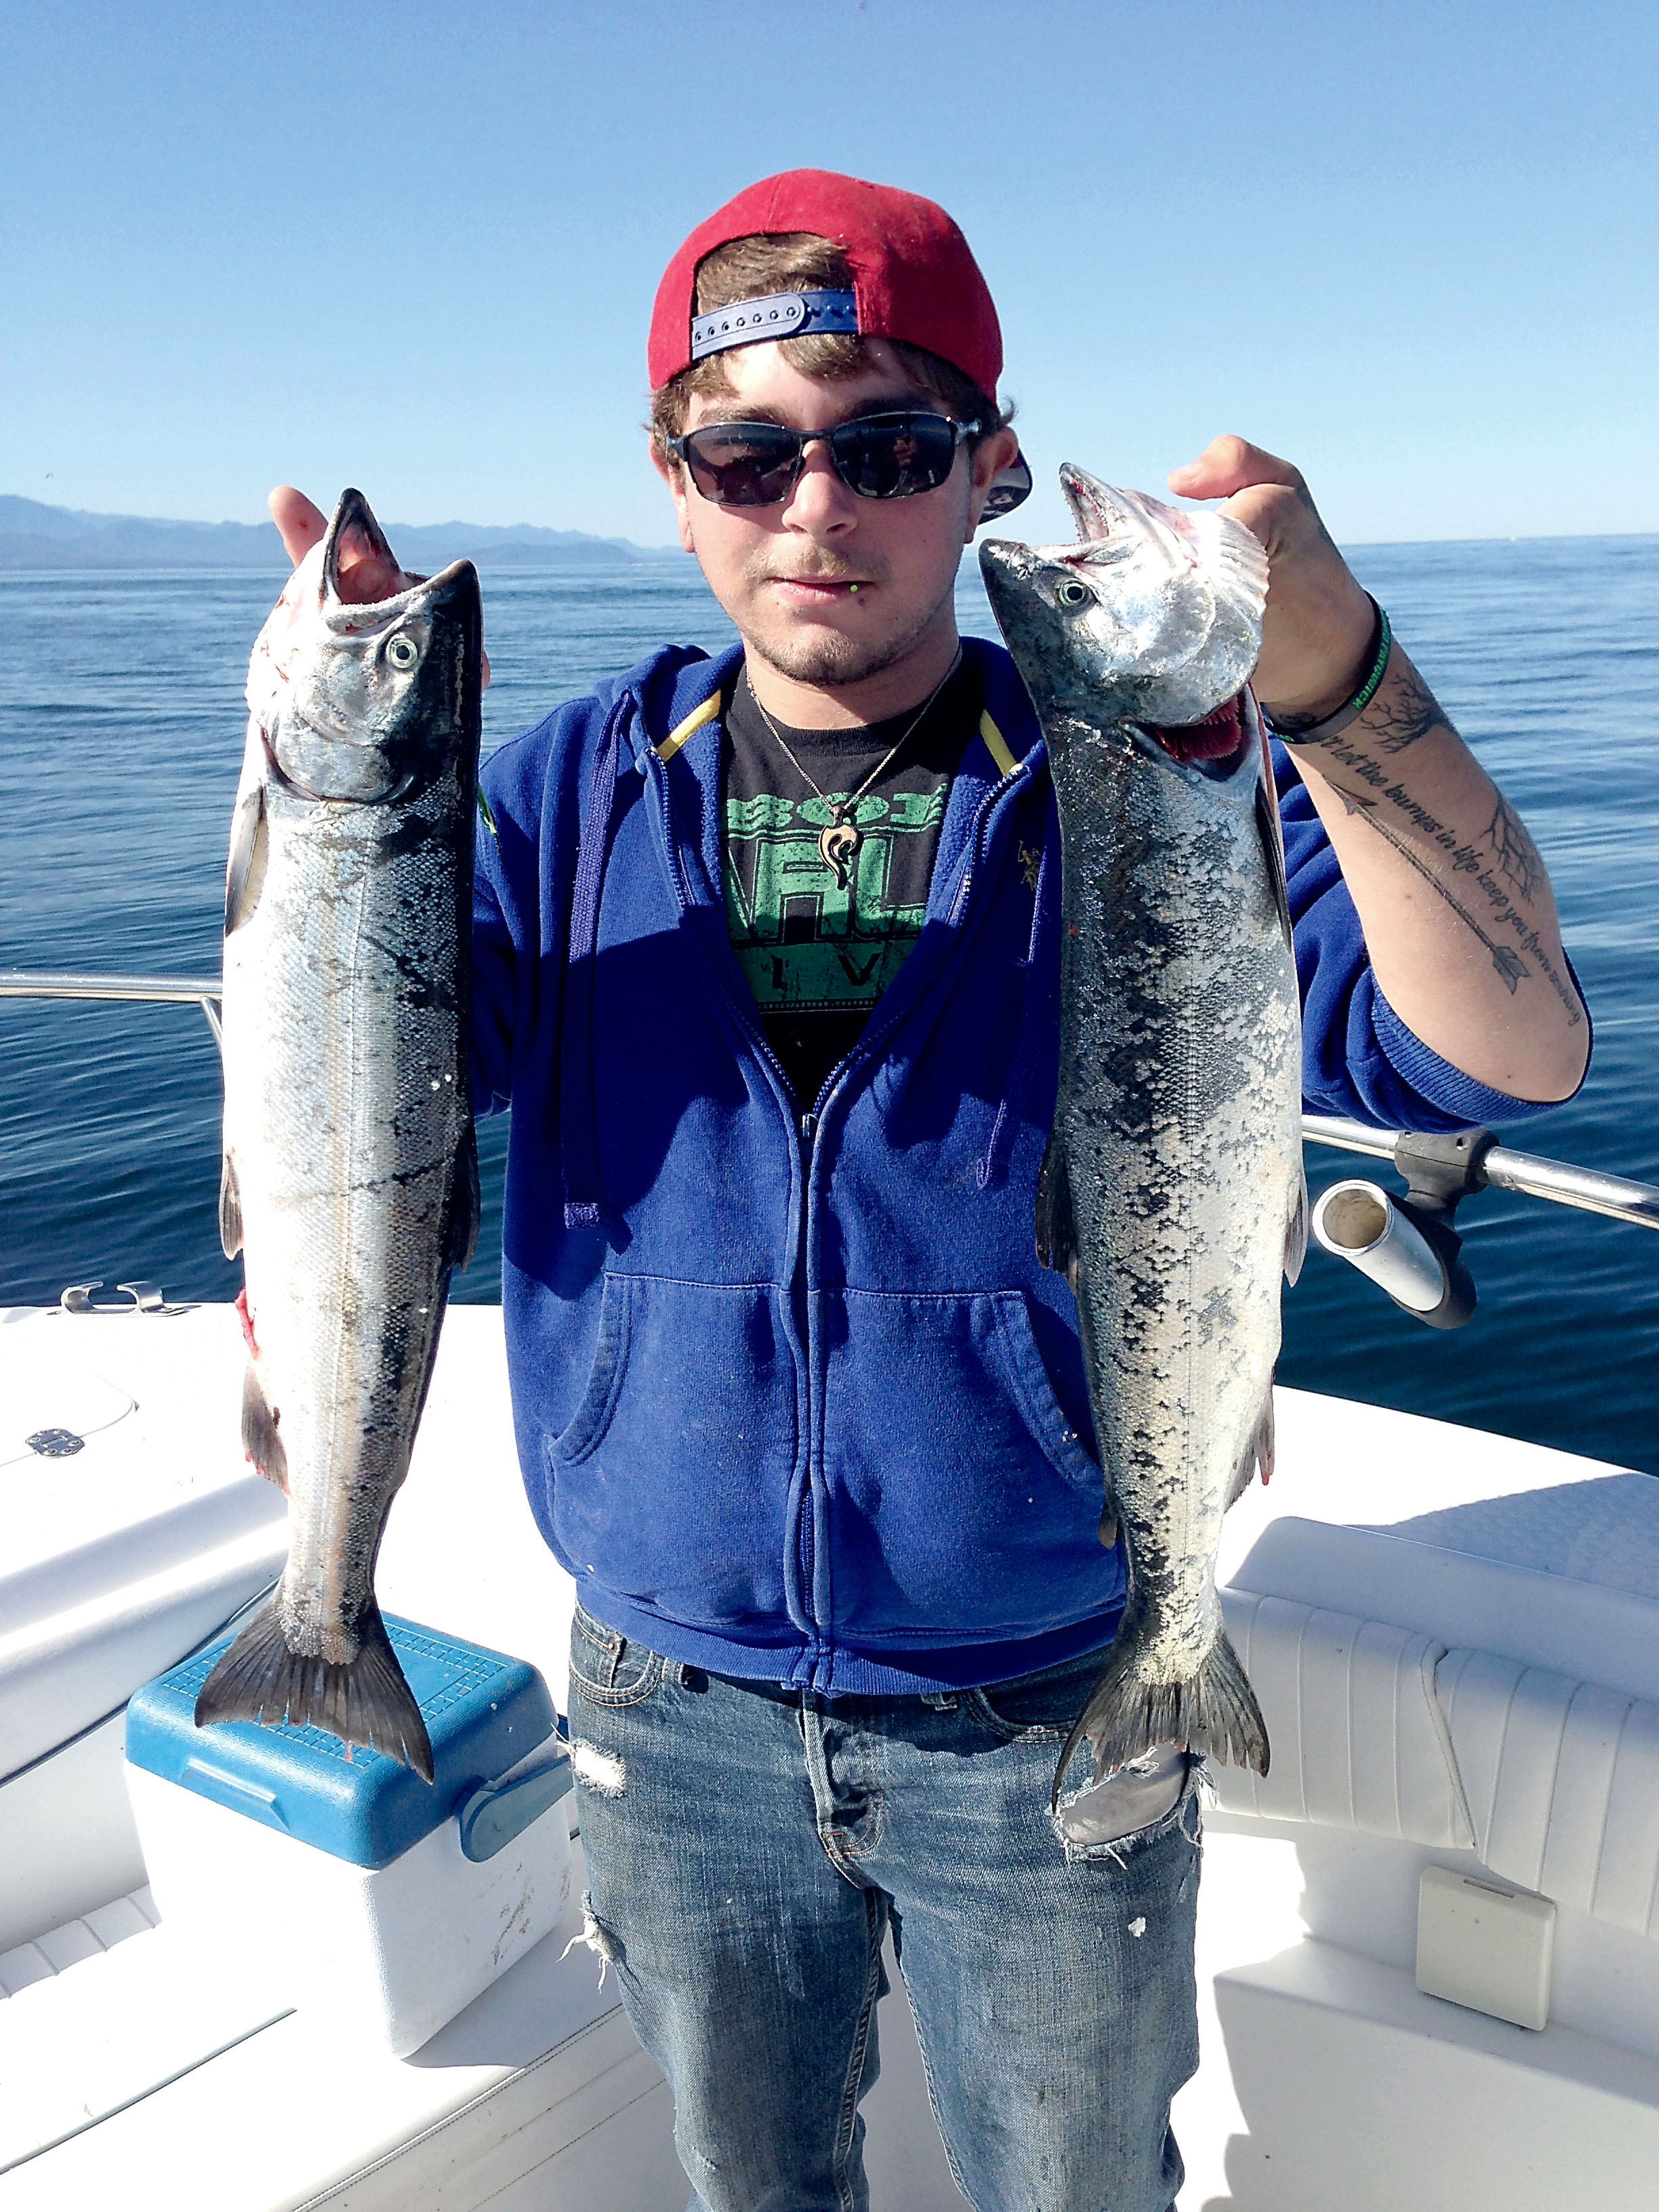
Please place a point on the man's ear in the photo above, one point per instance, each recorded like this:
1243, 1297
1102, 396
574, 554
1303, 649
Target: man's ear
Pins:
990, 457
674, 477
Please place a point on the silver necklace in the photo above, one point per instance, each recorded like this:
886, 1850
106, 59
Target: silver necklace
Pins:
840, 838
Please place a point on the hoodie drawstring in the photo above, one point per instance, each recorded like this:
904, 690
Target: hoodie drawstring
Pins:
579, 1130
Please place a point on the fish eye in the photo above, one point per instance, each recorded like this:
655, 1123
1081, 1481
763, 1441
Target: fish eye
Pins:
1070, 592
402, 652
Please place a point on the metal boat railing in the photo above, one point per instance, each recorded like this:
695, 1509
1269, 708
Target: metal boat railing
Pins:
1616, 1197
1586, 1188
203, 991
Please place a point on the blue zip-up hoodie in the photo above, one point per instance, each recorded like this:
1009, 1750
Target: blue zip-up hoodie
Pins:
794, 1399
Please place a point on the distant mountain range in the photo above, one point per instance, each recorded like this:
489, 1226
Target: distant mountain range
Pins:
34, 536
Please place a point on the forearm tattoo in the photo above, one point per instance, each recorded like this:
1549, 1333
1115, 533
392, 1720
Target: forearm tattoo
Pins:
1518, 858
1395, 720
1503, 864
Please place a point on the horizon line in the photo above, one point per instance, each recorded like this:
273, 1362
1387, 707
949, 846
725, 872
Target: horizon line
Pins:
596, 538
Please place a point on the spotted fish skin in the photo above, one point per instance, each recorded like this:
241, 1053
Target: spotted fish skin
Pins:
350, 1168
1171, 1192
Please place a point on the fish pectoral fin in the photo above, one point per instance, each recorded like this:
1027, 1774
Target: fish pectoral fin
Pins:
230, 1210
1272, 851
1056, 1229
465, 1204
368, 1702
1296, 1228
245, 876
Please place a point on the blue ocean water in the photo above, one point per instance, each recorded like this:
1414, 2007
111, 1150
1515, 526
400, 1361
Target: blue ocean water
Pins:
121, 725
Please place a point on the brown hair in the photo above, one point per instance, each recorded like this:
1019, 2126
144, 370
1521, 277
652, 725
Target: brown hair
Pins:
791, 261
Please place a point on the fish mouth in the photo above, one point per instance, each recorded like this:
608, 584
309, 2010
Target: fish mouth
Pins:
352, 512
1216, 747
1110, 521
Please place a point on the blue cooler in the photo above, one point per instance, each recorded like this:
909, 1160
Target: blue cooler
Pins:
322, 1871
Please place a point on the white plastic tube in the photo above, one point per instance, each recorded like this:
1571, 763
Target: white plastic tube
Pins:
1359, 1221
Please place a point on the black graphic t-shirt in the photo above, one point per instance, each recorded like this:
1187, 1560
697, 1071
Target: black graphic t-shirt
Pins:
820, 940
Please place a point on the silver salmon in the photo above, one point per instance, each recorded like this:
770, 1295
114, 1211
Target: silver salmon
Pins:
350, 1178
1172, 1191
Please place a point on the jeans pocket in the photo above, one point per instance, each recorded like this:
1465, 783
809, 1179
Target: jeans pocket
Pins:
609, 1668
1085, 1824
1038, 1708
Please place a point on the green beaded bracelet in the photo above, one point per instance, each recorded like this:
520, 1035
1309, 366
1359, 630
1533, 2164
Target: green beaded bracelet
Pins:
1315, 733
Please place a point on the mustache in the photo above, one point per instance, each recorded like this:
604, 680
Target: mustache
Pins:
818, 571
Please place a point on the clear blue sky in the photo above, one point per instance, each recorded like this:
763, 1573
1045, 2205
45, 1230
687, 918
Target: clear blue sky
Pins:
1412, 246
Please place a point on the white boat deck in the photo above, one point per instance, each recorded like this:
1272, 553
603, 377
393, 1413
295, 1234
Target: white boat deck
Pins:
1457, 1642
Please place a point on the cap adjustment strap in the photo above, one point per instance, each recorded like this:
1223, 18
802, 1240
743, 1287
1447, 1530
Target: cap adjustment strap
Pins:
779, 315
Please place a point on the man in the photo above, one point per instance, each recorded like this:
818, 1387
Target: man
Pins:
796, 1405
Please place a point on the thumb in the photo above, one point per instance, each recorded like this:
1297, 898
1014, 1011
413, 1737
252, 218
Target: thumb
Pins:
301, 523
1227, 465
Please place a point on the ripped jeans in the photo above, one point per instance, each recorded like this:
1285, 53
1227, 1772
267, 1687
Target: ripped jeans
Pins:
750, 1846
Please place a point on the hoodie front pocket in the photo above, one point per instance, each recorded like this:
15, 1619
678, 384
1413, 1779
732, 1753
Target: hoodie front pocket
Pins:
670, 1484
961, 1504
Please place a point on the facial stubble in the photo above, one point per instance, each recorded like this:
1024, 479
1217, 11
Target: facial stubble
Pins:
833, 660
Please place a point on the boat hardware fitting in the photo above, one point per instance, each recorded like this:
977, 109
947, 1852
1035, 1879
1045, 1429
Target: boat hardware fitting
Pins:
141, 1298
55, 1443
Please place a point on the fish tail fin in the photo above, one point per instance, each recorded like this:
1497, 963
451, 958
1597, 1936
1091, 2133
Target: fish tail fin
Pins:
1214, 1712
366, 1702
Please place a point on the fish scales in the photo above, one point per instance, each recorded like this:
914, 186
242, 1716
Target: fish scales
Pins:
1172, 1191
350, 1178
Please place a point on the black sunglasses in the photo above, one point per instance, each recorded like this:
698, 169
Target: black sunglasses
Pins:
877, 457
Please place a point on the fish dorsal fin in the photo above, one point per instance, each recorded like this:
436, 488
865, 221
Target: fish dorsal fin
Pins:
1056, 1229
1296, 1228
1273, 852
465, 1204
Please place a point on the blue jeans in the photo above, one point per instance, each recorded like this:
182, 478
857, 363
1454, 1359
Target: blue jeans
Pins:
749, 1847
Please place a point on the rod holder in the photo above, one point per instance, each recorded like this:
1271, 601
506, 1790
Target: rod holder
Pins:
1409, 1254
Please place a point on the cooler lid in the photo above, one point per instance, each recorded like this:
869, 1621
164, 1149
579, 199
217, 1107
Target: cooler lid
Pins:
482, 1710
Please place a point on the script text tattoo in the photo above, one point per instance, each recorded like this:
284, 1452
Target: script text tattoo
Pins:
1503, 861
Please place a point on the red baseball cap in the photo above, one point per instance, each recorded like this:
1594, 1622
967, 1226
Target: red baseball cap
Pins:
912, 275
913, 278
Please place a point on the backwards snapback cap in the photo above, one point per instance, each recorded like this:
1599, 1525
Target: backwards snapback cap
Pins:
913, 279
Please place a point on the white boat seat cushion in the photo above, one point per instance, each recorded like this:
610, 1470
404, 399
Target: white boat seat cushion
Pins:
1562, 1782
1553, 1782
1357, 1739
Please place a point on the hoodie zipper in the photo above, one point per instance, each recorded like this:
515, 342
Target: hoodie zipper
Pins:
805, 1128
869, 1047
809, 1130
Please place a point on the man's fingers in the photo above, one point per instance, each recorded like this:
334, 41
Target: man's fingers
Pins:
300, 521
1227, 464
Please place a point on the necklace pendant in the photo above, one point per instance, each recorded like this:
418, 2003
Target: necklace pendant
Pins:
838, 842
